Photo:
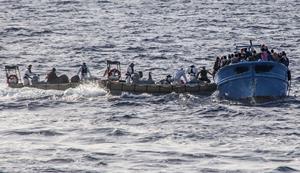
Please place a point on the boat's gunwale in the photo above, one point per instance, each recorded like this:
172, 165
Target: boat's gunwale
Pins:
249, 63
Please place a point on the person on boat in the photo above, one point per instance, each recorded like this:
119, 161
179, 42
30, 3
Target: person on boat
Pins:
168, 80
129, 73
203, 75
150, 80
179, 75
235, 59
223, 61
264, 56
216, 65
192, 71
85, 72
275, 55
52, 77
28, 75
284, 59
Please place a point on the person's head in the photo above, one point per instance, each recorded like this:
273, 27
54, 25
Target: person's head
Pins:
29, 66
192, 66
53, 70
140, 74
203, 67
131, 65
84, 64
150, 75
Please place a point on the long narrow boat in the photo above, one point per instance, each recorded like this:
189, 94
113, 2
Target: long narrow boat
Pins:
116, 87
47, 86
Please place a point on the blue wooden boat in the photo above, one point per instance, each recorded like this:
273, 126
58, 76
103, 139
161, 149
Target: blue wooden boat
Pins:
253, 79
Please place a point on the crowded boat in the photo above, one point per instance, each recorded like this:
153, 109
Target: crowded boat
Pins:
234, 75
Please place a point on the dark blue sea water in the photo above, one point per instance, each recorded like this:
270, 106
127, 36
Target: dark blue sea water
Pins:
88, 130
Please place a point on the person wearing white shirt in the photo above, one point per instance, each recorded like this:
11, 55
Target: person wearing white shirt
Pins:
193, 72
28, 75
179, 75
129, 73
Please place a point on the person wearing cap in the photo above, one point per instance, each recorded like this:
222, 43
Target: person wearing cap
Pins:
28, 75
192, 71
52, 77
85, 72
179, 75
129, 73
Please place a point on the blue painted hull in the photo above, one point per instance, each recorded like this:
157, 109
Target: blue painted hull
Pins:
252, 79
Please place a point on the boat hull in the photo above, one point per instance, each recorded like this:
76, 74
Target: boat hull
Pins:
252, 80
115, 87
119, 87
46, 86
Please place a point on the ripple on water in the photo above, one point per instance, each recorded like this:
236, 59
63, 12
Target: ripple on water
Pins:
35, 132
286, 169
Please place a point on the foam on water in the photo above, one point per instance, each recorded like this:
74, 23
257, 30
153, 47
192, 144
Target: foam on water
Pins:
85, 91
18, 94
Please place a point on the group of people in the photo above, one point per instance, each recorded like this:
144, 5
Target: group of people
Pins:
52, 78
181, 76
250, 55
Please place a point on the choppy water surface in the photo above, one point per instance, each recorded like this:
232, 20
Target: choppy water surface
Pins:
87, 130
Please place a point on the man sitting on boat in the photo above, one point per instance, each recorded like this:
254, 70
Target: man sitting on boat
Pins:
52, 77
150, 79
179, 75
203, 75
129, 73
167, 81
28, 75
85, 72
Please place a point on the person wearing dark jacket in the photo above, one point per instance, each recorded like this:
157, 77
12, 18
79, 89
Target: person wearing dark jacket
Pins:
203, 75
52, 77
85, 72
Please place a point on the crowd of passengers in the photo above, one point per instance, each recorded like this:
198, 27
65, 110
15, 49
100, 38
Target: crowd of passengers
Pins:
245, 55
181, 76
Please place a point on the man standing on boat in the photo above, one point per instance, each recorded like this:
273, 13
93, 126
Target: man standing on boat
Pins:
28, 75
84, 70
129, 73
